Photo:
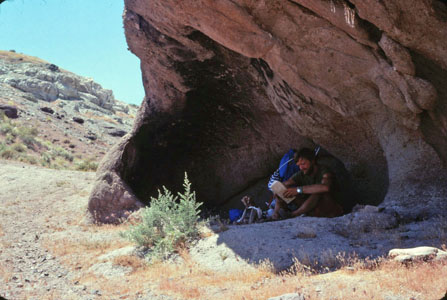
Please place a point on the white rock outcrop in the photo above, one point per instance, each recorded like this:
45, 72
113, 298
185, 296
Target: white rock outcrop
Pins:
47, 82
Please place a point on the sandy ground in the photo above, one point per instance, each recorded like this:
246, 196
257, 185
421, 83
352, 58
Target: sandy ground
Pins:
35, 204
49, 250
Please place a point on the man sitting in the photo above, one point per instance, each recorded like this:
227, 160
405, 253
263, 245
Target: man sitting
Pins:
312, 187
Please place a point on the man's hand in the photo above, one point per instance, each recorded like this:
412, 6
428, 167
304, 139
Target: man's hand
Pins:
291, 192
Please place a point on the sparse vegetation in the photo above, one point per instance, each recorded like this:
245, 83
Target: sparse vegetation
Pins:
13, 57
22, 143
169, 223
86, 165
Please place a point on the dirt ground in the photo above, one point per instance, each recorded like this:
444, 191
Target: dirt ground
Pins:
49, 250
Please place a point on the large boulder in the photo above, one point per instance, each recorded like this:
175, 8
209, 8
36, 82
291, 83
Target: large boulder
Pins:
10, 111
232, 85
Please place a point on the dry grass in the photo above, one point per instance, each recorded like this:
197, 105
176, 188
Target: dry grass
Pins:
135, 262
14, 57
80, 250
185, 279
419, 281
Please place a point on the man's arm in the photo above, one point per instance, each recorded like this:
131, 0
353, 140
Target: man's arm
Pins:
323, 187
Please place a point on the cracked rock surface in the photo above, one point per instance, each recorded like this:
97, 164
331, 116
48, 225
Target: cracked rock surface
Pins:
232, 85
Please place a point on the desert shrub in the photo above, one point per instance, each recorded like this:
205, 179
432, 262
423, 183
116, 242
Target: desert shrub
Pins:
10, 138
19, 148
45, 144
45, 159
169, 222
24, 157
12, 131
6, 127
8, 153
86, 165
30, 159
58, 151
60, 163
28, 136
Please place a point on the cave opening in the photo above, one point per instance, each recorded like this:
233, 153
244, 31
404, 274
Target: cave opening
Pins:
226, 121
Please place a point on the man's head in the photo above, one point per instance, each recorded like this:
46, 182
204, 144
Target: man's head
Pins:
305, 159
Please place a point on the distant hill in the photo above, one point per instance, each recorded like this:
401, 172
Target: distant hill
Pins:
56, 118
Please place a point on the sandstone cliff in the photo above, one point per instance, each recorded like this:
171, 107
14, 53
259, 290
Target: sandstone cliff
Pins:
231, 85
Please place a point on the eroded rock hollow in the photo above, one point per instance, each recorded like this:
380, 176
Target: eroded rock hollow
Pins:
231, 85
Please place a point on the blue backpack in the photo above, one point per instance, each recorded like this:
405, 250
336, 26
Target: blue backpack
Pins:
287, 168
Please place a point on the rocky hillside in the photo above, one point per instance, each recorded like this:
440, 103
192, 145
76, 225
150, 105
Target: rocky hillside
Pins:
66, 117
232, 85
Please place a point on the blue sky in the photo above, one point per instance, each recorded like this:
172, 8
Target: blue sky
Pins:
82, 36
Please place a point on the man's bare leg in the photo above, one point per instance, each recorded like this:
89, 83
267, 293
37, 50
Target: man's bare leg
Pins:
281, 204
278, 205
306, 206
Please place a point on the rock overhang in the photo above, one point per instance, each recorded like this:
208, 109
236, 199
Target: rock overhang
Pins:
232, 85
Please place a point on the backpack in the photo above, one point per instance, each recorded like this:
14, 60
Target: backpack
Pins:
287, 168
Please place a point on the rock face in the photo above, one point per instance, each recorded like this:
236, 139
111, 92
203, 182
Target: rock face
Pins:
47, 82
232, 85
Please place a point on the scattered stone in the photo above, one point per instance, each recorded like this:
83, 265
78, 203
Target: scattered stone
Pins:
60, 116
91, 136
53, 68
47, 109
78, 120
117, 132
10, 111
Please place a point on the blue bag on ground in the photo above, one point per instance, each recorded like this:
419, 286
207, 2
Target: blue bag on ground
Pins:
235, 214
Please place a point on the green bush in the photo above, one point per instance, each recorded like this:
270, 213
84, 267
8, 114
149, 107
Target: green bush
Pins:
6, 127
8, 153
45, 159
60, 163
86, 165
19, 148
28, 136
169, 221
30, 159
58, 151
45, 144
3, 146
